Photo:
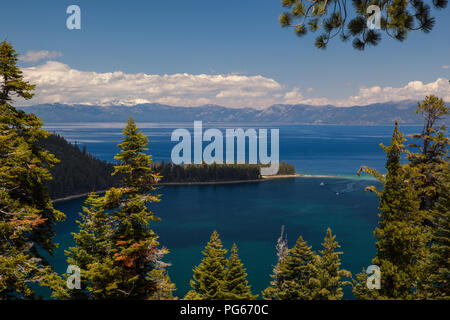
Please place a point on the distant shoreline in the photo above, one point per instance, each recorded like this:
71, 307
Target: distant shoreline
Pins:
76, 196
263, 179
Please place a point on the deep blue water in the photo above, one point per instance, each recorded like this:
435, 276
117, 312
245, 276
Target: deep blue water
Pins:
312, 149
252, 214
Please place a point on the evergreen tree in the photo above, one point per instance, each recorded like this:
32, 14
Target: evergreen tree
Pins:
236, 285
11, 77
297, 268
326, 279
431, 165
76, 173
136, 248
208, 278
164, 287
401, 234
431, 160
396, 19
435, 281
93, 247
294, 273
27, 216
131, 253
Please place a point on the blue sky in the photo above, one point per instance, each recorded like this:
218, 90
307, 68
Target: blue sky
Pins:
214, 37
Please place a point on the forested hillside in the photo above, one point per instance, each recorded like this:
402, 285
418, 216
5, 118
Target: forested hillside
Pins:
78, 171
206, 173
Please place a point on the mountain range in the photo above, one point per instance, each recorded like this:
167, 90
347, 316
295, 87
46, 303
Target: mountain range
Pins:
373, 114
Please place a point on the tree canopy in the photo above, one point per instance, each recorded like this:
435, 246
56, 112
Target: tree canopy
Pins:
397, 18
116, 249
11, 77
27, 215
412, 233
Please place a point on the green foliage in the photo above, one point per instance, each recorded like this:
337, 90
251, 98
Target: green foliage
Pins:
128, 265
208, 278
398, 18
93, 244
326, 277
214, 172
207, 172
27, 216
300, 274
435, 282
413, 242
286, 169
135, 166
78, 172
292, 273
431, 160
164, 287
24, 168
11, 77
236, 286
401, 235
219, 278
432, 183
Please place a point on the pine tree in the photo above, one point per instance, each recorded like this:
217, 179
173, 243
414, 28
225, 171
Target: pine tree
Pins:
401, 234
27, 216
326, 279
164, 287
295, 271
431, 160
398, 18
208, 278
432, 183
435, 281
92, 250
236, 285
136, 249
131, 253
11, 77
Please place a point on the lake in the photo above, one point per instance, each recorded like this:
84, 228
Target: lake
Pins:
251, 214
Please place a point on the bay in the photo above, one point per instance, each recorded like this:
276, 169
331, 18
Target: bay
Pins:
251, 214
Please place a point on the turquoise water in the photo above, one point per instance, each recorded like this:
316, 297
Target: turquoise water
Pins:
251, 214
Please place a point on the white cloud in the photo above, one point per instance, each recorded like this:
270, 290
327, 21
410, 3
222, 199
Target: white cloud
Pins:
59, 83
293, 97
36, 55
414, 90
